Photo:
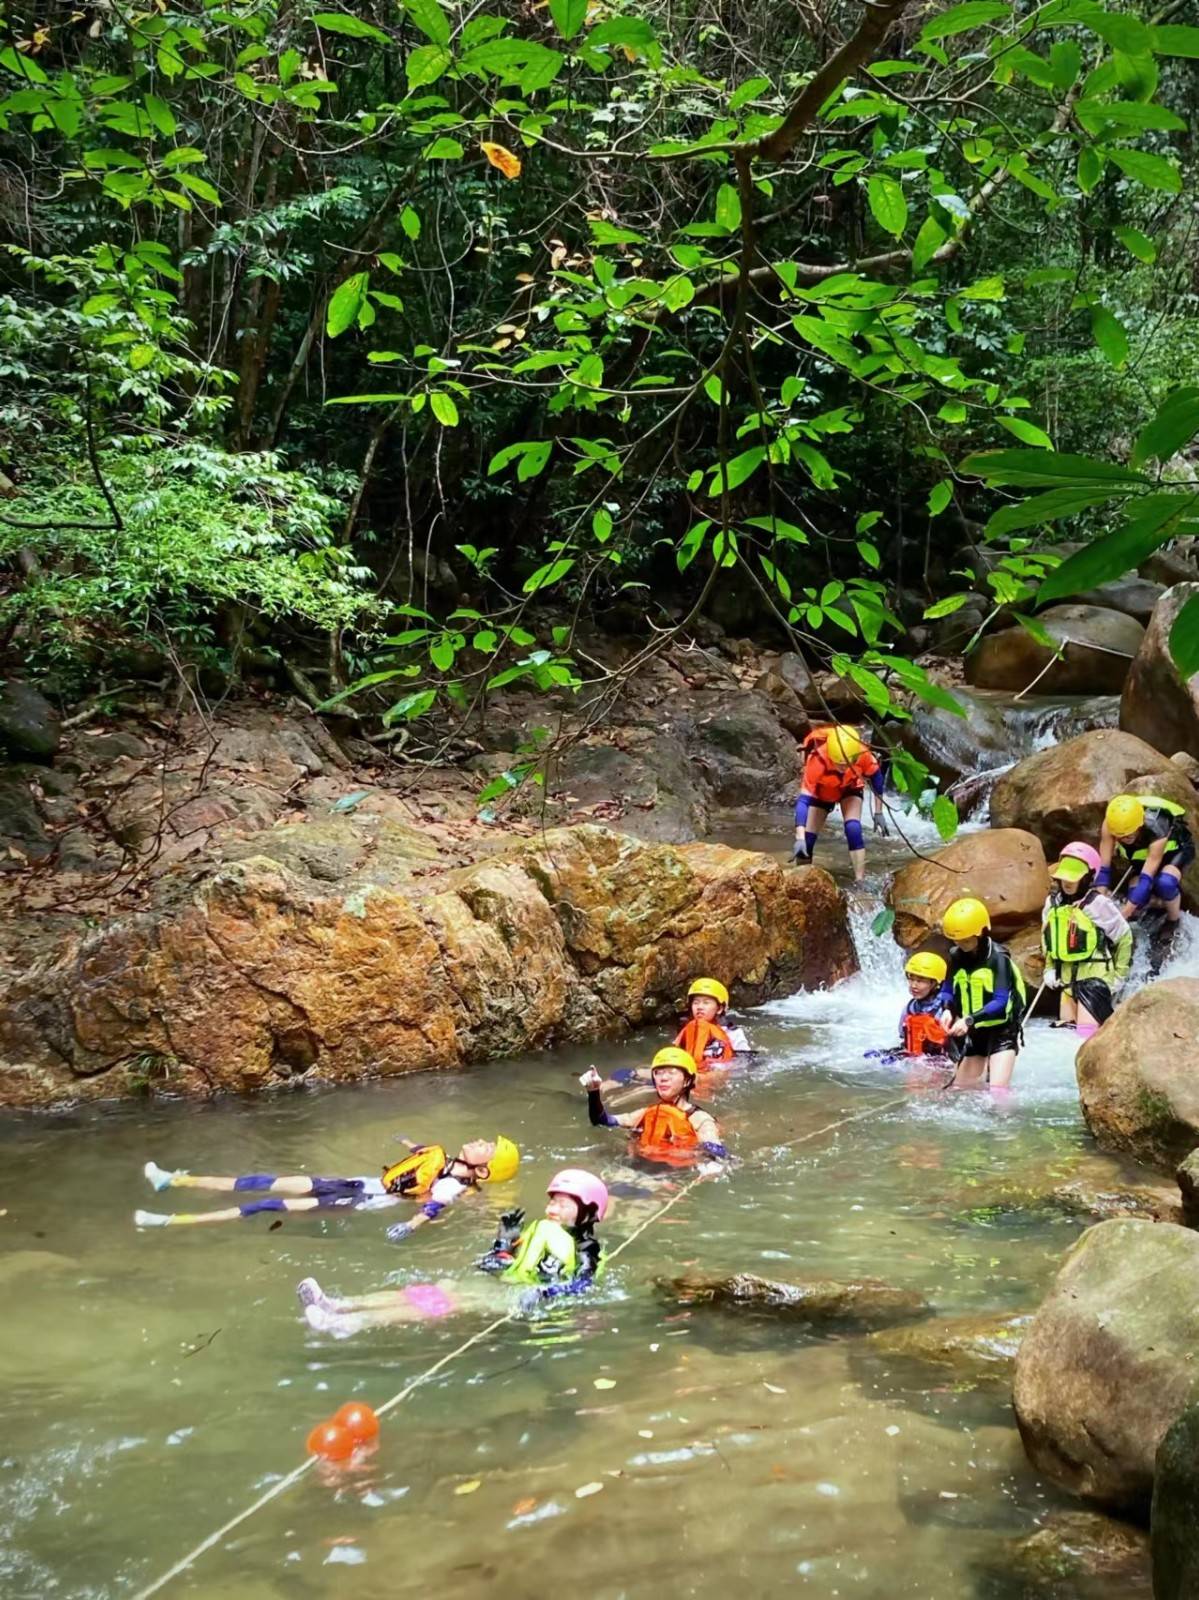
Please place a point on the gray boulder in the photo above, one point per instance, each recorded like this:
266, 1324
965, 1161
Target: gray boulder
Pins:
29, 724
1158, 704
1099, 646
1174, 1518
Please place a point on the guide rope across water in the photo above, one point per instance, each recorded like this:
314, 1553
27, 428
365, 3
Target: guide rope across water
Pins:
293, 1477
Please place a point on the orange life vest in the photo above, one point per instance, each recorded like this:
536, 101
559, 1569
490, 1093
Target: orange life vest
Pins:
416, 1174
705, 1042
825, 781
922, 1033
666, 1134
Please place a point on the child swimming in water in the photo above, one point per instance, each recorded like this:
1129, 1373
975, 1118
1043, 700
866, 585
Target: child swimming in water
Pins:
673, 1130
426, 1174
921, 1032
557, 1255
703, 1036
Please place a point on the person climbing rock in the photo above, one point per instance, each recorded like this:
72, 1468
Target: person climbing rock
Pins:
921, 1032
426, 1175
1152, 835
837, 768
555, 1256
983, 998
673, 1131
1086, 940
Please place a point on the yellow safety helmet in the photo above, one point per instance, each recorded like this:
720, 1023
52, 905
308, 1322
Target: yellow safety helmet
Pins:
927, 964
1125, 815
965, 919
843, 746
712, 987
672, 1056
504, 1162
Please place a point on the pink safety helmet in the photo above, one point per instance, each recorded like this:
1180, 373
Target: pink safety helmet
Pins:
1078, 851
582, 1186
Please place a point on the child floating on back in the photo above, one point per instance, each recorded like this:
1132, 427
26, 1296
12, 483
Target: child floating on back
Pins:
426, 1175
673, 1130
557, 1255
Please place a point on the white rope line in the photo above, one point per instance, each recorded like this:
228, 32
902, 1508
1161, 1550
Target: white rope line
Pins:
401, 1395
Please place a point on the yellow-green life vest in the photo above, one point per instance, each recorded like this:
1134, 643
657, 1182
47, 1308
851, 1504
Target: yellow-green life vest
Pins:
1154, 802
545, 1242
974, 989
1070, 935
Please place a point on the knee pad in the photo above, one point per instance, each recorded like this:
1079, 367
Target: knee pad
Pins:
254, 1180
1166, 886
801, 811
853, 834
272, 1203
1142, 890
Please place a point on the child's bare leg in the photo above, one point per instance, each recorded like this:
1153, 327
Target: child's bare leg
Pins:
191, 1219
971, 1072
1001, 1066
1068, 1011
259, 1182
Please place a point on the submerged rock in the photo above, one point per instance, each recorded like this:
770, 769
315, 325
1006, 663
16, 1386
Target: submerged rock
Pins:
866, 1302
1137, 1078
1099, 647
973, 1350
341, 950
1158, 703
1174, 1519
1076, 1546
1109, 1361
1005, 868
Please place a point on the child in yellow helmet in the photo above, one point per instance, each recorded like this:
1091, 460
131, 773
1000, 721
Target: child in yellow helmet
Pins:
425, 1175
983, 998
672, 1129
1152, 833
703, 1036
921, 1032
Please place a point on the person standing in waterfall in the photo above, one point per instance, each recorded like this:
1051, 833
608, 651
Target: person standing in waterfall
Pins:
837, 768
983, 998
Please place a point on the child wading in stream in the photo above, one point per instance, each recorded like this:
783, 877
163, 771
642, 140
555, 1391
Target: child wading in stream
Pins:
921, 1031
426, 1175
557, 1255
1087, 942
983, 998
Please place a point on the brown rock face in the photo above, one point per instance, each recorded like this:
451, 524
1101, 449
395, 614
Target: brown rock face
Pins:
1158, 703
1108, 1361
343, 953
1137, 1079
1096, 659
867, 1302
1004, 867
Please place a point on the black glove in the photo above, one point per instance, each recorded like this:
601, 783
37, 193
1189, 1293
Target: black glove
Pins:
510, 1225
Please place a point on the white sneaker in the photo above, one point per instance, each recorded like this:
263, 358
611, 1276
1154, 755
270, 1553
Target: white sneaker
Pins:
158, 1179
150, 1219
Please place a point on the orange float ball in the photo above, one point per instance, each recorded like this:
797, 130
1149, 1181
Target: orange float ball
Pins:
359, 1421
331, 1441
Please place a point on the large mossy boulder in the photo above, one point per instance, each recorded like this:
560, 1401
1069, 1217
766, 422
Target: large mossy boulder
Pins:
1110, 1359
1061, 793
344, 949
1138, 1078
822, 1302
1174, 1519
1098, 646
1158, 703
1005, 868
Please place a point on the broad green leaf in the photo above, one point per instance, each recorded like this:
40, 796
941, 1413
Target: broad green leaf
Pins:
198, 186
1137, 244
626, 32
1038, 631
1065, 61
691, 544
161, 115
443, 408
1125, 33
1098, 116
569, 16
547, 575
1109, 335
732, 474
869, 554
946, 607
1116, 553
1155, 172
883, 922
983, 289
888, 204
953, 411
1048, 469
24, 66
1026, 432
531, 454
1175, 39
945, 817
929, 240
430, 19
353, 27
728, 207
747, 92
426, 64
1049, 507
939, 497
410, 222
345, 303
444, 150
961, 18
411, 706
1090, 168
1184, 635
1176, 422
442, 653
601, 524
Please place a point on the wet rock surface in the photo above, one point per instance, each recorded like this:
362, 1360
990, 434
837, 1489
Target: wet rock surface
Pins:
1005, 868
968, 1351
1099, 645
1109, 1361
1158, 703
866, 1303
1136, 1077
1076, 1555
1174, 1518
348, 951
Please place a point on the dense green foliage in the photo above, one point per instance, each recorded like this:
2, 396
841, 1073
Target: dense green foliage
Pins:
463, 314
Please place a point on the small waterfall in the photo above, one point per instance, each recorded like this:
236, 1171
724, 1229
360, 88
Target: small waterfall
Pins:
879, 957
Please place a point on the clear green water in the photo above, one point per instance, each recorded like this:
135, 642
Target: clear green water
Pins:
153, 1384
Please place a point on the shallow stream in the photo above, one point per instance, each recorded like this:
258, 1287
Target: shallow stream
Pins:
152, 1384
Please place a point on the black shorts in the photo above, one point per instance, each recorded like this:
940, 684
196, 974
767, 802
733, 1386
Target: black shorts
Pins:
1182, 857
991, 1041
